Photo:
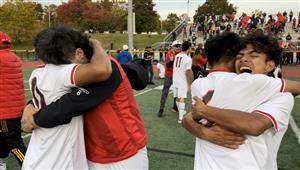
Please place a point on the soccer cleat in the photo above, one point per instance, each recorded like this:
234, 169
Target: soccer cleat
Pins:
2, 164
160, 113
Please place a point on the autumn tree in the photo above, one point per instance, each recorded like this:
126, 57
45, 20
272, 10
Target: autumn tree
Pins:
19, 19
171, 22
146, 19
79, 13
212, 7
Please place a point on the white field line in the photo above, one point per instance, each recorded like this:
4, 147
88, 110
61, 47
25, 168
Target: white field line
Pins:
295, 128
143, 92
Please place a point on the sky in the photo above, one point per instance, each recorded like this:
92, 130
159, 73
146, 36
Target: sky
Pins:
164, 7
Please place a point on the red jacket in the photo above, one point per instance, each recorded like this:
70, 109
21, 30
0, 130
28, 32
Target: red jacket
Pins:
12, 97
169, 70
114, 130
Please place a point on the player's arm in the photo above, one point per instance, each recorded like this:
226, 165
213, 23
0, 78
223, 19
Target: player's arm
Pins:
170, 60
214, 134
241, 122
292, 87
97, 70
79, 101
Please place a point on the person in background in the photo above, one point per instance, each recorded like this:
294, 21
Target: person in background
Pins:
170, 56
149, 56
12, 103
124, 56
199, 63
161, 69
182, 77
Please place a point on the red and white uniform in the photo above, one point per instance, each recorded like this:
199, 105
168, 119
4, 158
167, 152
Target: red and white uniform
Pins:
244, 92
182, 63
61, 147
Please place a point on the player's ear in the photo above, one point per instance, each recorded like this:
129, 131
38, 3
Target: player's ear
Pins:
79, 54
270, 66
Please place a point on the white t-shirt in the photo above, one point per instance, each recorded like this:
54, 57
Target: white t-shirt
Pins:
161, 70
249, 92
61, 147
182, 63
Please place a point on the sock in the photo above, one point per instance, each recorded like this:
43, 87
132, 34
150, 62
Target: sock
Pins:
181, 110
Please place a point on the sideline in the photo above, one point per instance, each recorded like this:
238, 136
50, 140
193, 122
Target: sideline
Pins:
143, 92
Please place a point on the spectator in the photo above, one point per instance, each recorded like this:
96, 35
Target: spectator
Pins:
291, 16
12, 99
161, 69
149, 56
124, 56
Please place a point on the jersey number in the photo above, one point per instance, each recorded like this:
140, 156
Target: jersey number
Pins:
178, 62
37, 95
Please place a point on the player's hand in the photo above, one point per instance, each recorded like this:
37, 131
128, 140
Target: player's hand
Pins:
223, 137
27, 120
198, 107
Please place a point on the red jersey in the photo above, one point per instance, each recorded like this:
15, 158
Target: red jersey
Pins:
114, 130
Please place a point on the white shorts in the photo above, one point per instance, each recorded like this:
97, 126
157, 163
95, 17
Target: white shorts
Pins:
137, 161
180, 92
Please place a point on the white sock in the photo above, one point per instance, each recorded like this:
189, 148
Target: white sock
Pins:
2, 164
181, 110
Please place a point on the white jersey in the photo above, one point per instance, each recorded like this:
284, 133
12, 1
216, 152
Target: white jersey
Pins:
61, 147
182, 63
161, 70
249, 92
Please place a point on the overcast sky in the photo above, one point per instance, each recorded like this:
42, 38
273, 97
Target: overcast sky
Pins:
164, 7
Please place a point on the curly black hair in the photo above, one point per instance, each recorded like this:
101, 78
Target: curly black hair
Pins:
222, 48
57, 45
265, 43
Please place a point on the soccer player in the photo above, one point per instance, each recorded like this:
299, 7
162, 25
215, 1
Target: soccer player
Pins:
182, 77
176, 48
257, 94
115, 136
12, 102
62, 147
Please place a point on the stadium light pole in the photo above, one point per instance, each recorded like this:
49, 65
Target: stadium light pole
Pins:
130, 25
188, 8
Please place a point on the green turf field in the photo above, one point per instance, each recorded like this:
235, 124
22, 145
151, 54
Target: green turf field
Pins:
172, 147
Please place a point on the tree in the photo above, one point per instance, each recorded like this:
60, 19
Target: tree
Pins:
80, 13
212, 7
146, 19
19, 19
171, 22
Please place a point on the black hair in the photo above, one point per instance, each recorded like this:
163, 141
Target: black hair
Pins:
265, 43
200, 51
223, 47
57, 45
155, 61
186, 45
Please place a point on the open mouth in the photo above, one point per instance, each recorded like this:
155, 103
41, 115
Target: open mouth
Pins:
245, 70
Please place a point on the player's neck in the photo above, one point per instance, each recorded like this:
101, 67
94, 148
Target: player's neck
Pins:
220, 67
